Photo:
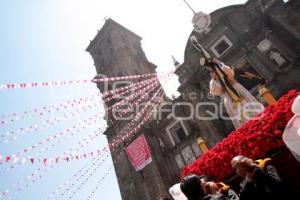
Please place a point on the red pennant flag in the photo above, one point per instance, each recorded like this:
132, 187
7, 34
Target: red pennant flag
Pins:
44, 161
32, 160
9, 86
45, 83
7, 158
23, 85
67, 158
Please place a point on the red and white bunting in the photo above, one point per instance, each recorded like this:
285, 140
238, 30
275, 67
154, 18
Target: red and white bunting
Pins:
70, 180
81, 144
135, 125
133, 96
13, 135
41, 111
70, 131
137, 102
129, 130
11, 86
99, 183
86, 141
39, 172
127, 87
90, 173
122, 94
121, 78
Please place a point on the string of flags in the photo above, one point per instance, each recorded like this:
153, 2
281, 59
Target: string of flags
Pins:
87, 140
137, 102
133, 96
123, 93
39, 172
128, 100
4, 119
134, 86
81, 144
25, 182
71, 131
99, 183
11, 86
41, 111
127, 87
122, 136
13, 135
75, 129
90, 172
141, 89
70, 180
132, 126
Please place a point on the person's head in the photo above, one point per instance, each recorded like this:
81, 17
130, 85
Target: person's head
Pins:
191, 187
203, 179
242, 165
208, 186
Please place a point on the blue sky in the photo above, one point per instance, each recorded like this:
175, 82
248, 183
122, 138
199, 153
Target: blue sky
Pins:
46, 40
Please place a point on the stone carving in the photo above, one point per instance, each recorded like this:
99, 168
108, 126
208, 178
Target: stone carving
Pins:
201, 22
276, 57
264, 45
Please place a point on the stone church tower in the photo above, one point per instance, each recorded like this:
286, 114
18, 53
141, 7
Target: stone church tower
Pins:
117, 51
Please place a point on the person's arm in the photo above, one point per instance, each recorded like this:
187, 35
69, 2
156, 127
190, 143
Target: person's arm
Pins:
215, 88
229, 72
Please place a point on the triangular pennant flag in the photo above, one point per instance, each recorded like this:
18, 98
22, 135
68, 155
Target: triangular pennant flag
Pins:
31, 160
7, 158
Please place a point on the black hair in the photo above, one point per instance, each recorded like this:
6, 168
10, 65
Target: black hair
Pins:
191, 187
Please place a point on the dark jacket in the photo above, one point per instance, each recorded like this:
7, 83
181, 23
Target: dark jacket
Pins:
265, 187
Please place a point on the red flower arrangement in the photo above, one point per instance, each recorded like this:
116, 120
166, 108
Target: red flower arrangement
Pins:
254, 139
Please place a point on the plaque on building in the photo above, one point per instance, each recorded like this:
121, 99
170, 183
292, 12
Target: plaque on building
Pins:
138, 153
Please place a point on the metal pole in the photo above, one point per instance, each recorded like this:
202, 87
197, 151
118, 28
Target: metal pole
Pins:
189, 6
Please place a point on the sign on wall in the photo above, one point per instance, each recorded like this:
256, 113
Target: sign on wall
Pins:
138, 153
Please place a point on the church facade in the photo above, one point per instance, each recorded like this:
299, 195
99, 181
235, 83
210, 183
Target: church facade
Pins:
262, 37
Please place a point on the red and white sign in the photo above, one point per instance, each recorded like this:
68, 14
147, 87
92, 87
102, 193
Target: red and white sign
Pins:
138, 153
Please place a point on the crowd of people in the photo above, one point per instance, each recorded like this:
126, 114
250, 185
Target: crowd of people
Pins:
260, 181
